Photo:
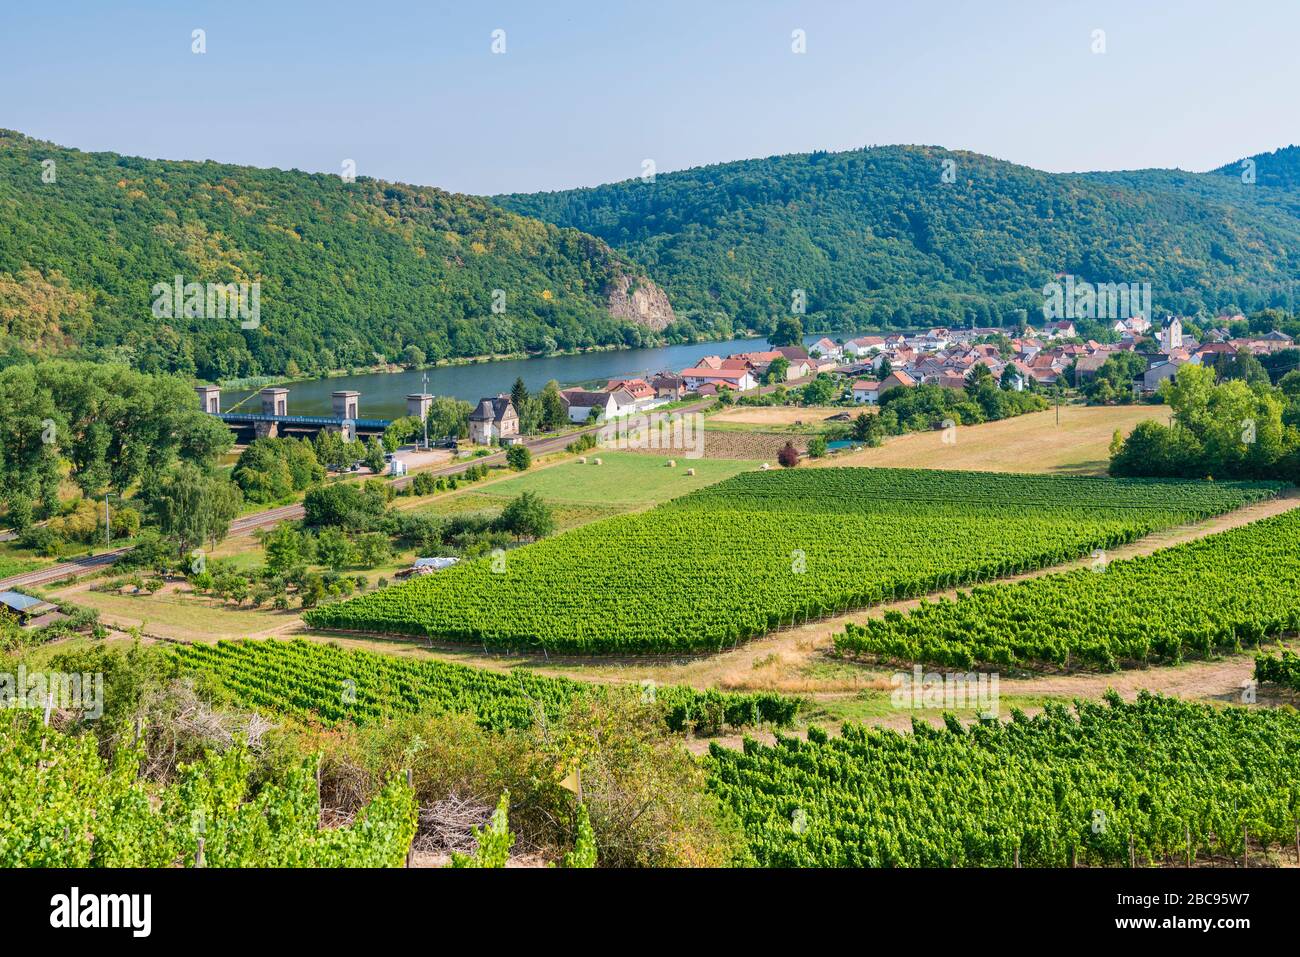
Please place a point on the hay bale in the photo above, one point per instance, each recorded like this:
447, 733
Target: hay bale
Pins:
672, 463
597, 462
582, 460
690, 471
765, 466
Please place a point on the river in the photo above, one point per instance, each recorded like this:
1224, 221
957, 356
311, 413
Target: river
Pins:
383, 394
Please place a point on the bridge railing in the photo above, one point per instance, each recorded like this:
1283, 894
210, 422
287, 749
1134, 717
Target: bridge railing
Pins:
322, 420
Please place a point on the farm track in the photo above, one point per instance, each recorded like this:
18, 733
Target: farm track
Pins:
787, 660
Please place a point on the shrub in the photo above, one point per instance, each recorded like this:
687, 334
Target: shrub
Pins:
519, 458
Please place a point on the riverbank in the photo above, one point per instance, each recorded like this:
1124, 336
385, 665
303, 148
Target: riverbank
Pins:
390, 368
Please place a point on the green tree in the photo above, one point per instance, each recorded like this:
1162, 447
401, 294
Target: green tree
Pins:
820, 391
788, 332
191, 506
272, 469
449, 418
374, 459
343, 505
867, 429
776, 371
519, 395
979, 375
373, 548
555, 415
528, 516
334, 549
413, 357
519, 458
283, 547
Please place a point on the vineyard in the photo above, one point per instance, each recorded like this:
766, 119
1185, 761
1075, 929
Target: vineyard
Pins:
1223, 592
63, 806
1156, 780
766, 549
1284, 670
316, 682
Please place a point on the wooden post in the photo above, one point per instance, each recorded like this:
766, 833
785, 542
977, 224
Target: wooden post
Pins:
198, 855
1245, 847
1189, 845
1132, 853
1017, 860
1297, 844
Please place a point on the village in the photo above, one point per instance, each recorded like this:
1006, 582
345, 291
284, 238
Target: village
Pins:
868, 366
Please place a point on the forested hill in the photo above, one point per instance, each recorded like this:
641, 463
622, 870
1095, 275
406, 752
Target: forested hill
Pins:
1279, 169
350, 272
876, 236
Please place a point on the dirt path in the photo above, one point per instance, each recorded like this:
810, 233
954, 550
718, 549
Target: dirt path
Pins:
795, 660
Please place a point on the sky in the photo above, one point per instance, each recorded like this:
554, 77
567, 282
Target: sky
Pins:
586, 92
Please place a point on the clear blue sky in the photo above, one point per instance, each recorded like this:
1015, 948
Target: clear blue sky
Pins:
587, 90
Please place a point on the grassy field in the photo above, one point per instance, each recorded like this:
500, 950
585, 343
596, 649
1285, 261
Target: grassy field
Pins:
1080, 445
180, 616
629, 479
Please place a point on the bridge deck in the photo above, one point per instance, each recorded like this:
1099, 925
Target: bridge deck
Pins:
310, 420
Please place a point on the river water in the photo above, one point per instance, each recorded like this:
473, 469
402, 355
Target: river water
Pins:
383, 394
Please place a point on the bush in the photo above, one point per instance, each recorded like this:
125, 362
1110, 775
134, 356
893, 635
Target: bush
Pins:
424, 484
343, 505
519, 458
527, 516
788, 456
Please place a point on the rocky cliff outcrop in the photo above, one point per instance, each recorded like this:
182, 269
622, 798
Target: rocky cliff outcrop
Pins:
637, 299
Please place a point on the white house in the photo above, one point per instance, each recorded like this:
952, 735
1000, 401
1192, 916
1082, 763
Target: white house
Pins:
828, 348
740, 380
864, 345
580, 402
866, 392
622, 402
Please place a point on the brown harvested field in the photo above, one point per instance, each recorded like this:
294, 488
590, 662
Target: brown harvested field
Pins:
775, 415
1080, 445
